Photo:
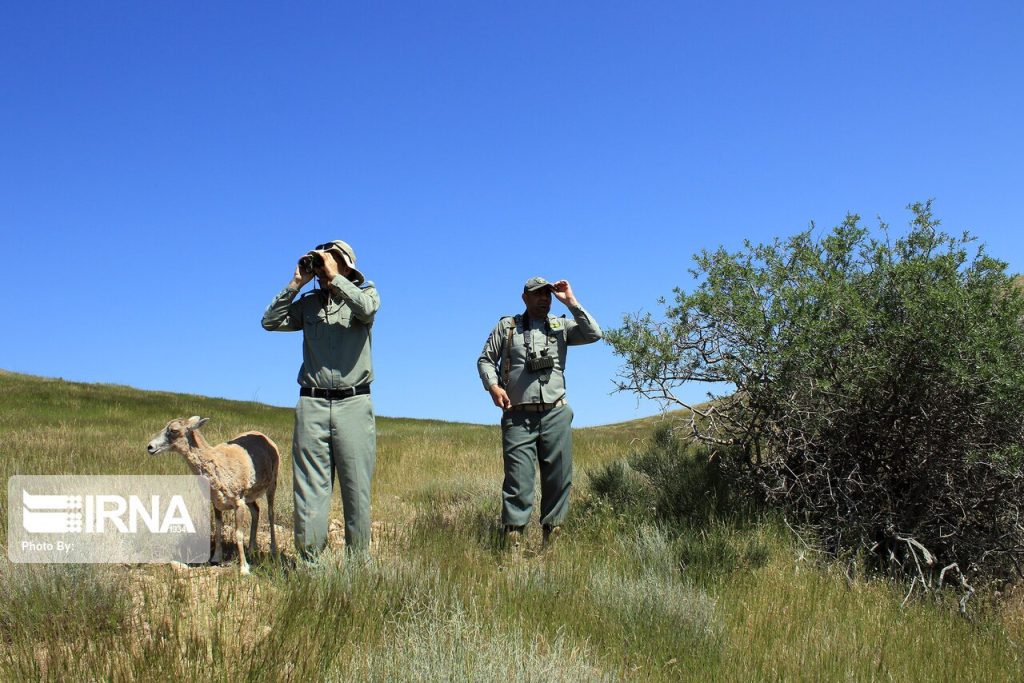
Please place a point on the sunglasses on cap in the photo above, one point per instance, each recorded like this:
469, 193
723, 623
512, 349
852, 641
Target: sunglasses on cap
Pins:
331, 246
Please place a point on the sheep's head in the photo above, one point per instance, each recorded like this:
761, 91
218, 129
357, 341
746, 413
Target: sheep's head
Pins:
176, 434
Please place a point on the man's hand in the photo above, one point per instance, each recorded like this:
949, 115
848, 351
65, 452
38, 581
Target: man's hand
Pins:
333, 265
299, 279
563, 292
499, 397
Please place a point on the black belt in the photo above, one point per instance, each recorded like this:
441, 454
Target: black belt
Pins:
538, 407
334, 394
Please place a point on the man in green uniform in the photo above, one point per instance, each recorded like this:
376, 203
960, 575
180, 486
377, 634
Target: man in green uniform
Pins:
522, 368
334, 420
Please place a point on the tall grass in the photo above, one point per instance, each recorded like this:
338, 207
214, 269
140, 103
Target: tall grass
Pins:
622, 596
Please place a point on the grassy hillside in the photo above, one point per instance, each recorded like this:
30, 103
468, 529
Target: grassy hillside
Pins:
617, 599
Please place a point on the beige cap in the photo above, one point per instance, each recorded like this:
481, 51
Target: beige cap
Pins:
348, 255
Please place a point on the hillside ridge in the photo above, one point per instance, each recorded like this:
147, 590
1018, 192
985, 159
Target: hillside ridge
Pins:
643, 423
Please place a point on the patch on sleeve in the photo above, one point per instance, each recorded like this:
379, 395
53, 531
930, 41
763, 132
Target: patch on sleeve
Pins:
556, 323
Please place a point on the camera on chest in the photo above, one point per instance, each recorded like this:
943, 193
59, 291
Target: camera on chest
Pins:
538, 362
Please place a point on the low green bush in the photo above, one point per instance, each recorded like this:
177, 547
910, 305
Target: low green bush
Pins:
669, 480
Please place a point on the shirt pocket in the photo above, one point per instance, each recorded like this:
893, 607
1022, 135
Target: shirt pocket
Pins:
313, 322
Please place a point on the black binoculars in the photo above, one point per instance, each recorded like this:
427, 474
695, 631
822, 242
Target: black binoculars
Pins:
540, 362
310, 262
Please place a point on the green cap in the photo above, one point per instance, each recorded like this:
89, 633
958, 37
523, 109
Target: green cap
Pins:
535, 283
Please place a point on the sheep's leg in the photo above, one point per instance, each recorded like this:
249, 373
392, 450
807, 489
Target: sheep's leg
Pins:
243, 566
254, 518
270, 514
218, 533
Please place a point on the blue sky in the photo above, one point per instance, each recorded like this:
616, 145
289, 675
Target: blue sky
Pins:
163, 165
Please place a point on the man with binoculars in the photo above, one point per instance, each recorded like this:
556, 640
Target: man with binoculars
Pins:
334, 420
522, 367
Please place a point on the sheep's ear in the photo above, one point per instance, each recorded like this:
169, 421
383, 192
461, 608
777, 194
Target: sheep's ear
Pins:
195, 422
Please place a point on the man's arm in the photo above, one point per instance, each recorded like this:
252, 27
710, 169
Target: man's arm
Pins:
282, 315
583, 329
487, 366
364, 302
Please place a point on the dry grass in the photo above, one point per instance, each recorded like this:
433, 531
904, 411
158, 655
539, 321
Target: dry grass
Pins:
615, 599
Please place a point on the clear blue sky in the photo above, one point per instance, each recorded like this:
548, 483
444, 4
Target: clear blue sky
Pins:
163, 165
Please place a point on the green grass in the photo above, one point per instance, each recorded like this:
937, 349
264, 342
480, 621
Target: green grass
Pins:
617, 599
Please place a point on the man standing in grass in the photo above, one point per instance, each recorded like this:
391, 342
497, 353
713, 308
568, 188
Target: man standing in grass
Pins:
334, 420
522, 367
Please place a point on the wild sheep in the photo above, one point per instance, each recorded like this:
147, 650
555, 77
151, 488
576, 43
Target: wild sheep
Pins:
239, 471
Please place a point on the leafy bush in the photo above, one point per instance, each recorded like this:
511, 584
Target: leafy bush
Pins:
871, 389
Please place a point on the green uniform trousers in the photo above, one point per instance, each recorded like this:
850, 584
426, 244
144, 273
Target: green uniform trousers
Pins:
529, 439
333, 436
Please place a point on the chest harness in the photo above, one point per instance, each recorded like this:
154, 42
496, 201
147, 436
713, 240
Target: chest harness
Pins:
523, 321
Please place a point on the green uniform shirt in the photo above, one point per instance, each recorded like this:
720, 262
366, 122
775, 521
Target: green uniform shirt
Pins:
546, 386
336, 338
